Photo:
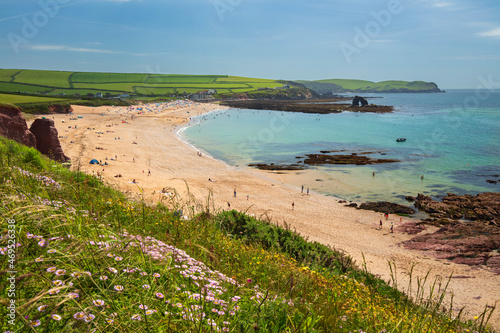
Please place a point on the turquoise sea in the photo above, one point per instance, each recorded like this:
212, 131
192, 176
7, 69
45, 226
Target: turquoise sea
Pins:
453, 140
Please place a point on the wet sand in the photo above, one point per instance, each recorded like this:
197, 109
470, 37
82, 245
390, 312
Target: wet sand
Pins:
149, 142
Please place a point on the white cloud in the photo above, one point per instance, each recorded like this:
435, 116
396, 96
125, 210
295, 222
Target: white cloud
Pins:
66, 48
491, 33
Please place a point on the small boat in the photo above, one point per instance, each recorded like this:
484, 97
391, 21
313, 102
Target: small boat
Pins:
401, 140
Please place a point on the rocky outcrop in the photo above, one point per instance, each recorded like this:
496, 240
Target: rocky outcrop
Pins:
387, 207
354, 159
471, 243
47, 139
482, 207
13, 126
357, 100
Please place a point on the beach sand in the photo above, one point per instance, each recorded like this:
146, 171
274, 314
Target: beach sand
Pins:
149, 142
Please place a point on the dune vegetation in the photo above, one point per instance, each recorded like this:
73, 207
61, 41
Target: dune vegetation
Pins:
78, 256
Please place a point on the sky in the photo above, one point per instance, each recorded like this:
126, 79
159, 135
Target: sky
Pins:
454, 43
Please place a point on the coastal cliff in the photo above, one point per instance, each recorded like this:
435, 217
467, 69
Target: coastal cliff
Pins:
362, 86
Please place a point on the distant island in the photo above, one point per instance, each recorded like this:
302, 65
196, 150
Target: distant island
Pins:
335, 86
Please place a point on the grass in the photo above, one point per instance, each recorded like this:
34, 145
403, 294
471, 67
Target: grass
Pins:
6, 74
44, 78
96, 78
24, 88
89, 259
21, 99
155, 79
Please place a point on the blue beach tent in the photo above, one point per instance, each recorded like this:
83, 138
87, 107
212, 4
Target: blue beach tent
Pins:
94, 161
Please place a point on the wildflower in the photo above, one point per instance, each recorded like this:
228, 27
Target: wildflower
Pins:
51, 269
110, 321
103, 277
42, 308
79, 315
249, 280
57, 283
87, 273
144, 273
60, 272
76, 275
156, 275
52, 251
56, 317
98, 302
35, 323
118, 258
143, 307
73, 295
42, 243
136, 317
159, 295
39, 259
54, 291
88, 318
149, 312
111, 255
118, 288
112, 270
146, 286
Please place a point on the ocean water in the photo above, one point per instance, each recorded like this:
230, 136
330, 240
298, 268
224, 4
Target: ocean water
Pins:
453, 140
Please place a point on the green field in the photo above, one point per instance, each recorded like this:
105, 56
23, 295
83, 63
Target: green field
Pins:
108, 78
44, 78
20, 87
137, 84
346, 85
20, 99
6, 74
155, 79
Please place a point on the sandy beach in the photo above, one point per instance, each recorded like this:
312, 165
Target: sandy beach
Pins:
143, 147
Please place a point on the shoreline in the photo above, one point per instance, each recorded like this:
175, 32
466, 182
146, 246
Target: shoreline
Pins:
174, 165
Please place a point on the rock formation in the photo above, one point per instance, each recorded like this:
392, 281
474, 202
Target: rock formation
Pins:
47, 139
359, 100
387, 207
482, 207
13, 126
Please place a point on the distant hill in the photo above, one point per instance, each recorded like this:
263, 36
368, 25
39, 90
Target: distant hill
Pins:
362, 86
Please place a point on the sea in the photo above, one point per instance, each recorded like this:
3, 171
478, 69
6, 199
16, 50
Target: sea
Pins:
452, 144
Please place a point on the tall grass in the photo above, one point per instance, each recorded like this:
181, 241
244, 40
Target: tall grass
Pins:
87, 259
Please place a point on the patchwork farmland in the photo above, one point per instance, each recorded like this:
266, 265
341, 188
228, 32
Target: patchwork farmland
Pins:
60, 83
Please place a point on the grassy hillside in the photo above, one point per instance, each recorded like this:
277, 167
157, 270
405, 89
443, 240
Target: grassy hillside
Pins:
84, 258
114, 84
344, 85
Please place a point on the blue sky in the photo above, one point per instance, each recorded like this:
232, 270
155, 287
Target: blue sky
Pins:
455, 43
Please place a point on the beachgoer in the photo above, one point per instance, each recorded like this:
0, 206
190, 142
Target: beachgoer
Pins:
235, 192
392, 227
248, 196
302, 190
133, 181
380, 224
293, 205
373, 174
386, 216
422, 177
308, 191
149, 172
228, 205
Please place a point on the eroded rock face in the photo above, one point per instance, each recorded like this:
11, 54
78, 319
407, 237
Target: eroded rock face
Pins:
482, 207
47, 139
13, 126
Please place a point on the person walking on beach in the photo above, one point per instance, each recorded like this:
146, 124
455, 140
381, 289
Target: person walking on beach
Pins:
380, 227
392, 227
235, 192
293, 205
308, 191
386, 215
302, 190
149, 172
